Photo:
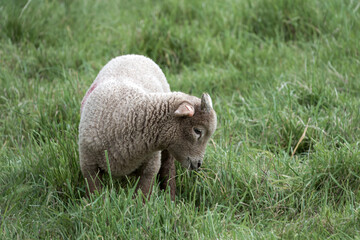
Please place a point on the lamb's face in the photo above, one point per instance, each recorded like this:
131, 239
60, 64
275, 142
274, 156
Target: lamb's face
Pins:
195, 125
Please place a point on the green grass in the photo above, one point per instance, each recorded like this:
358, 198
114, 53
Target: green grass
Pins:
275, 70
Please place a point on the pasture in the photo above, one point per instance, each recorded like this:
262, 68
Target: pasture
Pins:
284, 77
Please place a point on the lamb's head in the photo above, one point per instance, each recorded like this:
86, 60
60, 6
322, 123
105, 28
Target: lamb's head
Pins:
195, 122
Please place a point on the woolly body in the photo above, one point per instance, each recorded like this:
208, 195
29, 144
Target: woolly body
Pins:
129, 112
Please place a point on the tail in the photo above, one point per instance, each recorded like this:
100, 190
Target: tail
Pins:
91, 89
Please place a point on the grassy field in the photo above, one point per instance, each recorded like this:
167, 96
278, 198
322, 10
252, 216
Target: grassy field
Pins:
284, 77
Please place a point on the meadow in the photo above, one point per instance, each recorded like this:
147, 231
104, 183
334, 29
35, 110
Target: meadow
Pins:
284, 77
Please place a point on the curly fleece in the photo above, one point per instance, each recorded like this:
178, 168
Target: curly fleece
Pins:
130, 112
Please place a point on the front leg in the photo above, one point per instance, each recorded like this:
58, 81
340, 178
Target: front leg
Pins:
147, 174
167, 173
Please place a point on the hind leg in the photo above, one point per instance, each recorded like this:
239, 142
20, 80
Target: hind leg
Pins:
167, 173
91, 172
93, 178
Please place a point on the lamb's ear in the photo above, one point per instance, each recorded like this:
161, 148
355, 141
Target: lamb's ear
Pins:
206, 103
185, 109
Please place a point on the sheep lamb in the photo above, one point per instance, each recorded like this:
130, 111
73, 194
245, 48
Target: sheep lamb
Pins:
130, 113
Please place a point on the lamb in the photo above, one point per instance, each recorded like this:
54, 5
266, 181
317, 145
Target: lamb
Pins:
130, 115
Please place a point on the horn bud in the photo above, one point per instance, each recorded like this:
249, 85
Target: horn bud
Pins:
206, 103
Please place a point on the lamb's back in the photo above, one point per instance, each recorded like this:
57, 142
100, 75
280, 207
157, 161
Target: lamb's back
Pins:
142, 71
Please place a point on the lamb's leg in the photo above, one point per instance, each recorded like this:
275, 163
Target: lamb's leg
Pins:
148, 173
93, 177
90, 171
167, 173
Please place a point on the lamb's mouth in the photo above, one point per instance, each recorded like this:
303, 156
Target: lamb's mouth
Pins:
193, 165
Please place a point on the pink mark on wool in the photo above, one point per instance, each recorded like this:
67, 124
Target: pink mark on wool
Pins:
87, 95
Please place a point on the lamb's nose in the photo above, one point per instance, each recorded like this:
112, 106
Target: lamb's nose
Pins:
195, 165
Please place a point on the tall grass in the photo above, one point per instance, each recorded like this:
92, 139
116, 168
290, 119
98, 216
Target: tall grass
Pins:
284, 78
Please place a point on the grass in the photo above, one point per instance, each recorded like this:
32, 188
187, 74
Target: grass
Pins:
276, 71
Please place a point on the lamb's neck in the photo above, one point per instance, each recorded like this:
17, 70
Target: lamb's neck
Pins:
158, 119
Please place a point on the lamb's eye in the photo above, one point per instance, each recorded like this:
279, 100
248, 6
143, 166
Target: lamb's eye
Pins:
198, 132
